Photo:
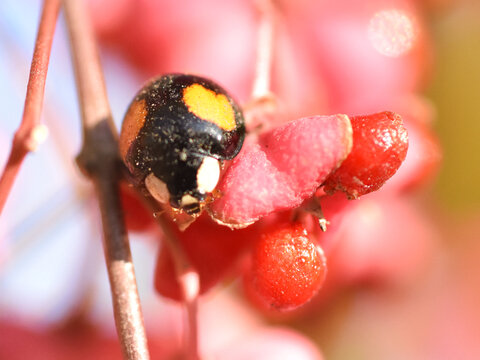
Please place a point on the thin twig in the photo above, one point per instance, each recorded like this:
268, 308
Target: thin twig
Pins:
187, 276
266, 33
313, 207
262, 108
99, 158
189, 281
30, 132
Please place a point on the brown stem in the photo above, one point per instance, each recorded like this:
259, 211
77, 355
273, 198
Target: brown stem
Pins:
188, 279
186, 274
313, 207
99, 159
30, 132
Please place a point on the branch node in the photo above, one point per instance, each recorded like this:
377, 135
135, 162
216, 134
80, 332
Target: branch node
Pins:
37, 136
99, 152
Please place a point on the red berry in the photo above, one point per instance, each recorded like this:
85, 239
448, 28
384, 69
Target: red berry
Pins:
380, 143
287, 269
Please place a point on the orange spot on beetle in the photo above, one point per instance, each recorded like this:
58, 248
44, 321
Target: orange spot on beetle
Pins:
209, 106
132, 124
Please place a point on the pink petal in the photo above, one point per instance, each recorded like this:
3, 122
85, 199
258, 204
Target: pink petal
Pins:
282, 168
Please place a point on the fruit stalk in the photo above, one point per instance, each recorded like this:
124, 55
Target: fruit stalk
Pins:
266, 35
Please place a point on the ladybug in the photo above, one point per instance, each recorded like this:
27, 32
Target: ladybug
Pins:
176, 134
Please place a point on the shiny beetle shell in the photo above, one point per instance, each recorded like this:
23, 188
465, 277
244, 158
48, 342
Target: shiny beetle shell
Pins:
175, 134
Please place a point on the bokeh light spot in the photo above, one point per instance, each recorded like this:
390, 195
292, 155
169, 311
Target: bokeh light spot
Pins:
392, 32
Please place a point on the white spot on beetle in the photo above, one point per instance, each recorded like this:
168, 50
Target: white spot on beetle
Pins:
157, 188
208, 175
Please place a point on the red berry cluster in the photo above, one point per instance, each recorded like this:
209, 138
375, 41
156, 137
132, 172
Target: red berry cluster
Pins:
280, 171
287, 265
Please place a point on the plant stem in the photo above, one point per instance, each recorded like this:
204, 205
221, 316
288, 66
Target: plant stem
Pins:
30, 132
186, 274
188, 279
266, 34
99, 159
263, 105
